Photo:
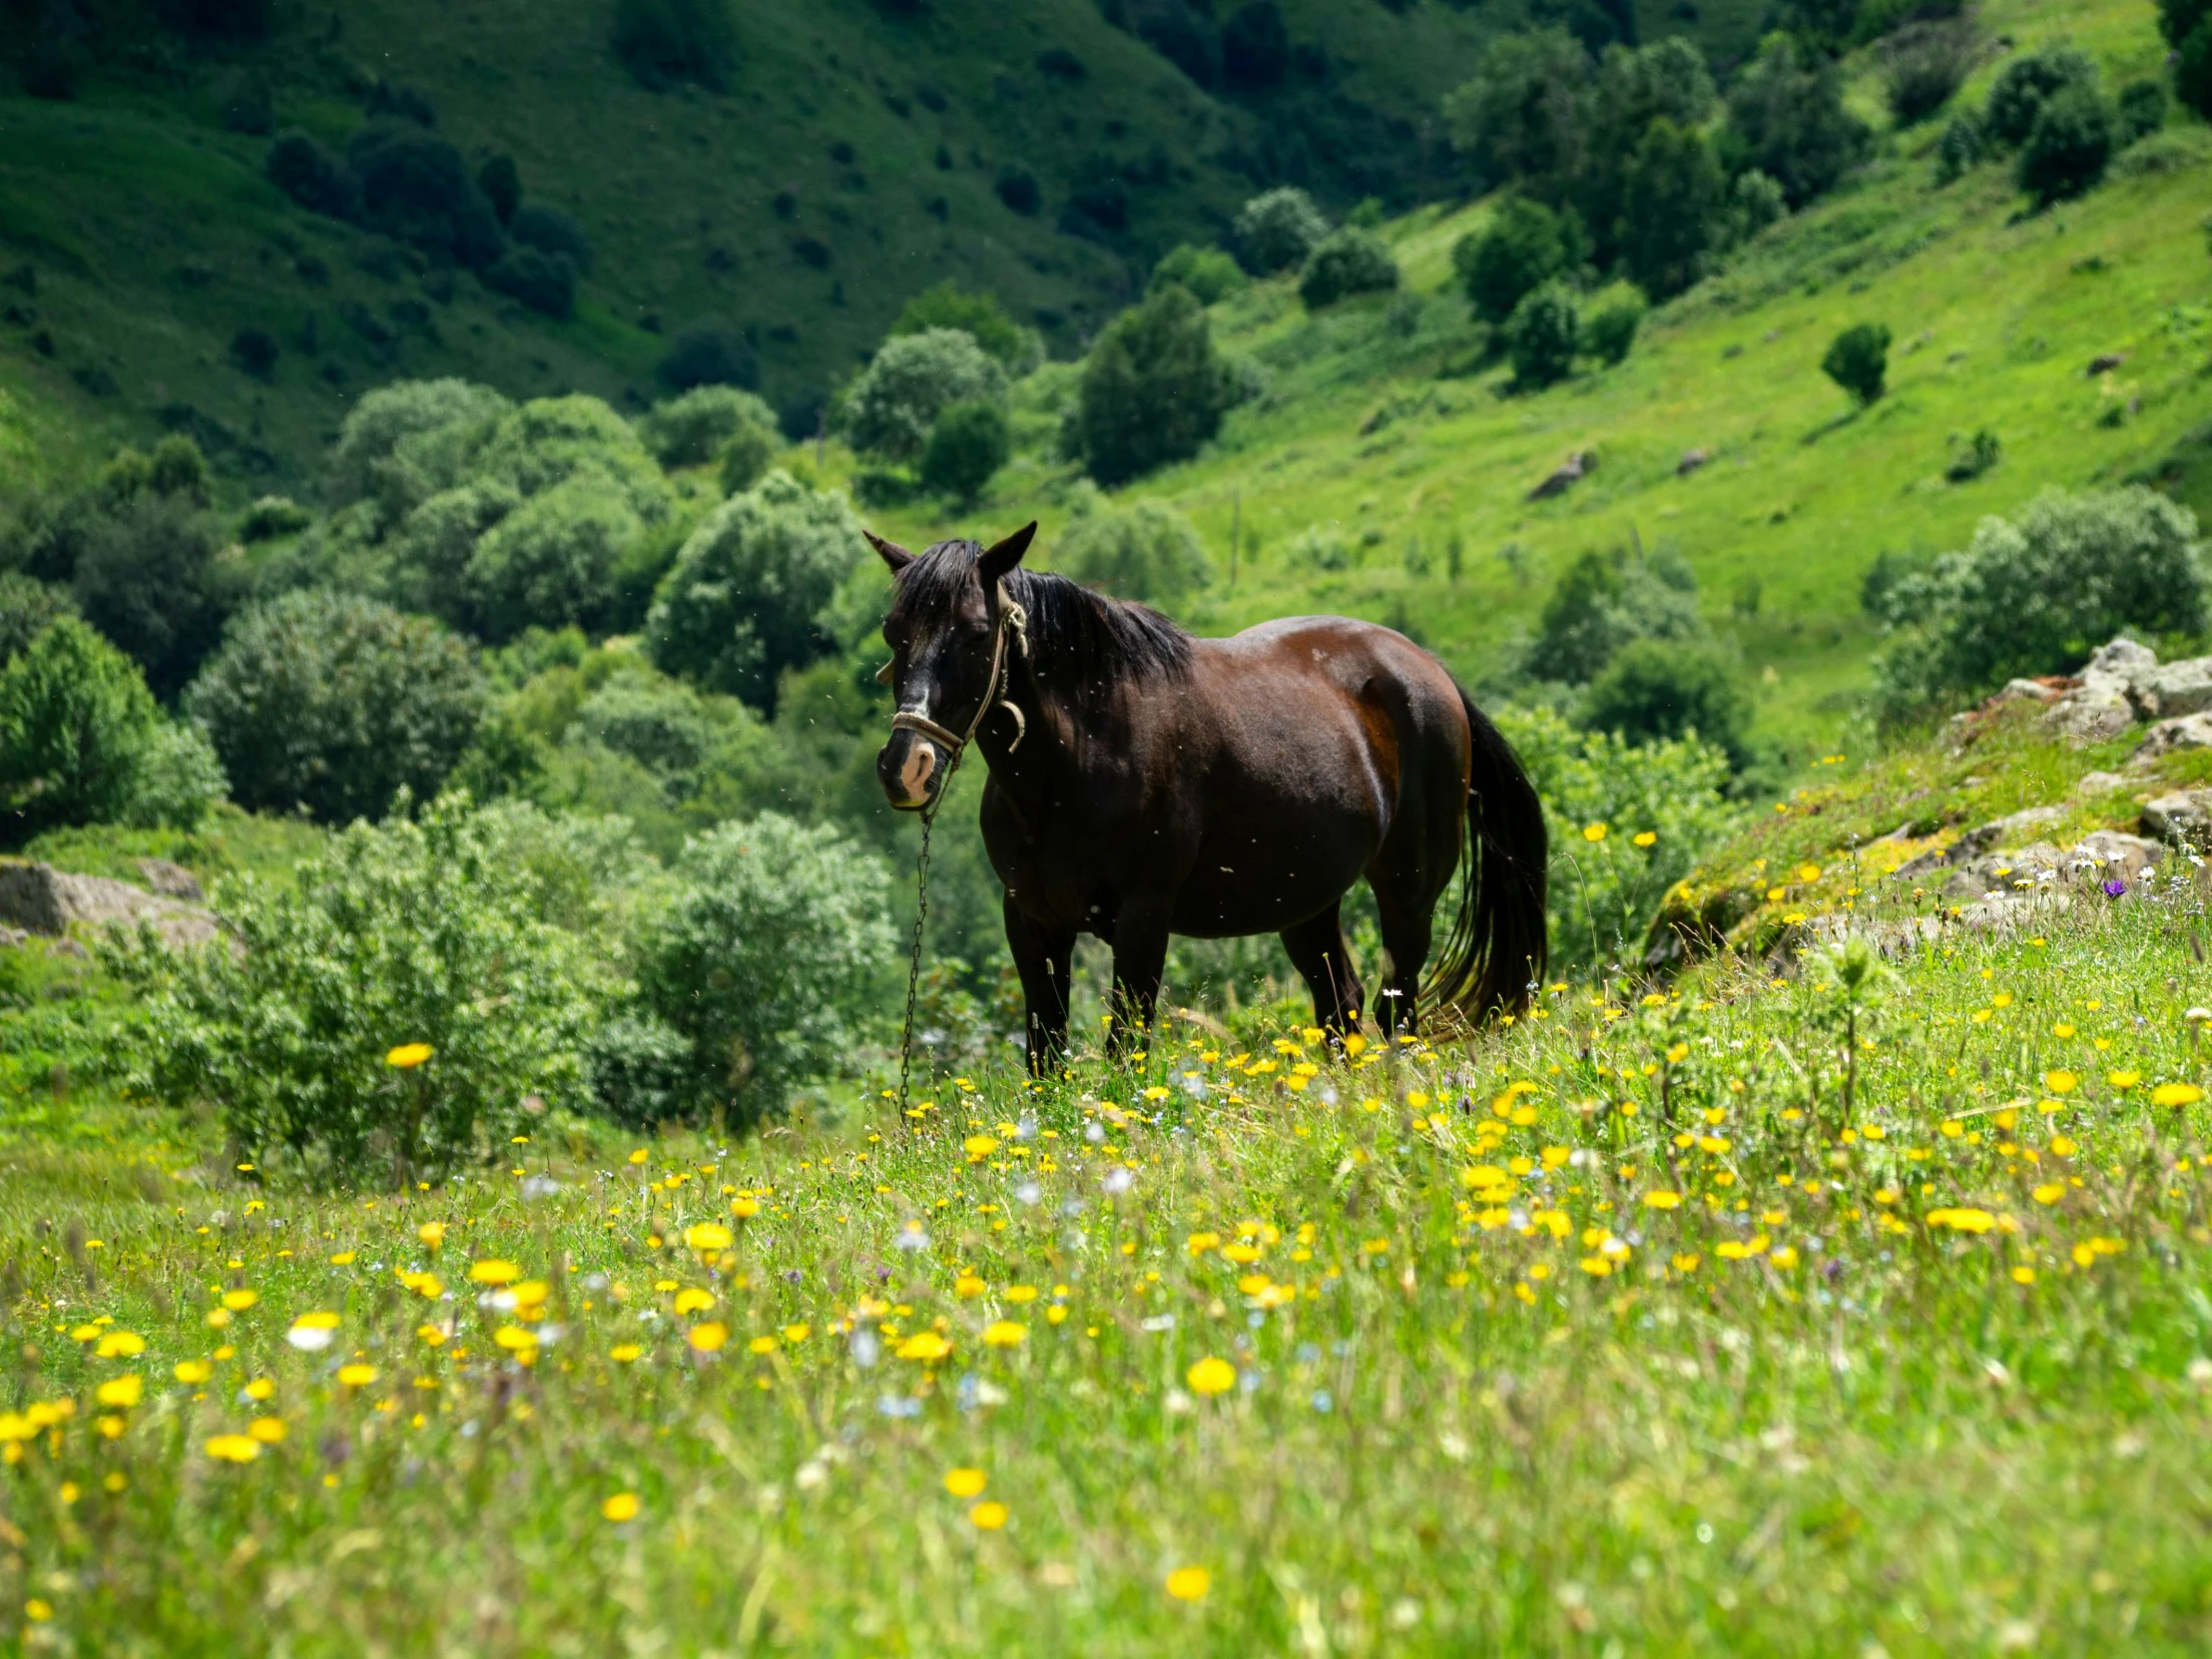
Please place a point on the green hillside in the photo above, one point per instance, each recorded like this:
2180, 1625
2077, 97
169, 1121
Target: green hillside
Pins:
853, 158
1371, 432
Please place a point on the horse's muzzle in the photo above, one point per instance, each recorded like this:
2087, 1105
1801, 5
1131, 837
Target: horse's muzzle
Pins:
910, 767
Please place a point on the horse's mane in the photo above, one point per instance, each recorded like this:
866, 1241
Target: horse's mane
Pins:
1083, 642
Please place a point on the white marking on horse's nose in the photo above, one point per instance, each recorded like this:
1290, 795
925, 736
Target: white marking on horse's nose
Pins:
921, 765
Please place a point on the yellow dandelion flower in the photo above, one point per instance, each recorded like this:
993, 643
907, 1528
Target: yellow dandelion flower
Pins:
989, 1518
761, 1344
694, 1300
967, 1284
2051, 1192
408, 1056
2176, 1094
925, 1345
2023, 1275
2062, 1082
1018, 1294
706, 1235
238, 1301
1211, 1377
639, 1156
514, 1339
621, 1507
1594, 831
965, 1483
267, 1430
622, 1353
711, 1337
1005, 1334
192, 1370
2123, 1080
121, 1344
121, 1392
1963, 1219
1189, 1583
1808, 873
743, 1208
431, 1232
233, 1449
1662, 1201
356, 1375
492, 1270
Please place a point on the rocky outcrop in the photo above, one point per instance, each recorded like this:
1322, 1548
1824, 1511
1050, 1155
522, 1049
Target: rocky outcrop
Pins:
42, 900
1566, 475
2182, 818
2171, 737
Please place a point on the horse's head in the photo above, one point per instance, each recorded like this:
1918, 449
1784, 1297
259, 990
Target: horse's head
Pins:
947, 631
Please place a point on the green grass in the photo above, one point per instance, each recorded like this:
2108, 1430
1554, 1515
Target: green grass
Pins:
1446, 1430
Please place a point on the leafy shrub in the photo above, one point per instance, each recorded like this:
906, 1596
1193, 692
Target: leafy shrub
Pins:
1673, 196
253, 351
740, 604
693, 429
1542, 337
664, 43
1926, 63
1524, 246
1277, 229
2023, 86
1785, 117
1146, 552
1153, 390
913, 378
551, 230
501, 182
1525, 116
2037, 594
747, 456
1655, 689
416, 188
371, 435
551, 561
1959, 148
27, 605
1603, 893
1858, 360
333, 704
150, 579
945, 306
1208, 273
1983, 452
1348, 263
1756, 201
400, 934
77, 731
538, 445
1255, 44
2068, 148
271, 517
1018, 188
1603, 602
179, 778
545, 282
765, 961
1611, 334
2187, 27
2139, 112
969, 442
311, 175
709, 353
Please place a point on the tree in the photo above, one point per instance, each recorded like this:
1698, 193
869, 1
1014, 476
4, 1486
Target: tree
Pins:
913, 378
709, 353
552, 560
1349, 262
2068, 148
380, 421
1524, 114
551, 230
1542, 337
27, 605
1524, 246
2025, 84
1635, 86
1656, 690
1277, 229
76, 725
664, 43
1755, 202
1152, 391
1603, 601
981, 314
764, 961
750, 452
1208, 273
149, 578
501, 182
695, 428
1927, 64
1147, 553
333, 704
969, 442
1858, 360
2139, 112
2187, 26
1611, 334
740, 602
1785, 117
545, 282
1673, 200
311, 175
416, 188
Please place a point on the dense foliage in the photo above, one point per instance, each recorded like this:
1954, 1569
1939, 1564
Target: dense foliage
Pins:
1153, 389
1147, 552
913, 380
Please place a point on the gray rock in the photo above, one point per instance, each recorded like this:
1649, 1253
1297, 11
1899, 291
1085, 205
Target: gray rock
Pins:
2182, 818
2118, 854
2098, 783
2000, 831
1566, 475
2011, 910
2170, 737
2096, 712
2183, 688
2122, 658
171, 881
1691, 460
45, 900
2017, 869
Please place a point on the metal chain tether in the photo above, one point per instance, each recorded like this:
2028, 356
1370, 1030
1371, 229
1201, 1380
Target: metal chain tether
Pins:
921, 916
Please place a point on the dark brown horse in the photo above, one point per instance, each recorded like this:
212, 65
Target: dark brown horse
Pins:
1144, 783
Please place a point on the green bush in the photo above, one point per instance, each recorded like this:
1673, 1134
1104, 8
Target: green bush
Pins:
740, 604
1604, 601
382, 422
746, 459
1145, 552
333, 704
83, 742
1525, 116
2193, 68
980, 314
2023, 86
271, 517
1785, 117
552, 231
1524, 246
1153, 390
27, 605
709, 353
695, 428
552, 560
1542, 337
1755, 202
1276, 231
1673, 211
1611, 334
400, 934
2139, 112
2037, 594
414, 186
1959, 148
1603, 893
1208, 273
764, 962
545, 282
1927, 61
1858, 360
150, 579
2068, 148
969, 442
915, 378
1655, 689
664, 43
1348, 263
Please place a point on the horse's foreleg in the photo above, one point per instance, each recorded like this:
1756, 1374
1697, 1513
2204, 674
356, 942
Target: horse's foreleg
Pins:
1044, 956
1140, 960
1407, 931
1317, 950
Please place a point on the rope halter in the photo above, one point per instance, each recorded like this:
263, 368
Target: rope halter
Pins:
1013, 620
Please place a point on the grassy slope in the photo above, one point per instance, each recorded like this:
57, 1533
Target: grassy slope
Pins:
1996, 318
1794, 1414
155, 238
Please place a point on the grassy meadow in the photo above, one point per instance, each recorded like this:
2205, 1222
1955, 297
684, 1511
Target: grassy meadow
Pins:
1659, 1323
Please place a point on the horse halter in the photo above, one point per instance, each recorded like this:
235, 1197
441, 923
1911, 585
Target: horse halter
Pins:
1013, 619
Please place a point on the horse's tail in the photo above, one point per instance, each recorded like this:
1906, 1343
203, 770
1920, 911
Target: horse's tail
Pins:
1497, 948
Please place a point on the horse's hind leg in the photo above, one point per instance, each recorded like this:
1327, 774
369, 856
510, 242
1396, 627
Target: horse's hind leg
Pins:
1319, 952
1405, 937
1044, 958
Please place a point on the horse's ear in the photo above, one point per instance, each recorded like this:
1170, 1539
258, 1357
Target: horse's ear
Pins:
892, 554
998, 560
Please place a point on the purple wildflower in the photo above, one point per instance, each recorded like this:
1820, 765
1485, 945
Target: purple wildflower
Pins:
2114, 888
